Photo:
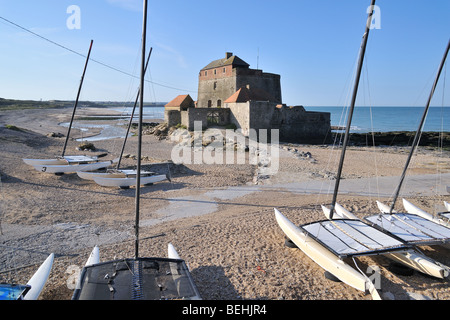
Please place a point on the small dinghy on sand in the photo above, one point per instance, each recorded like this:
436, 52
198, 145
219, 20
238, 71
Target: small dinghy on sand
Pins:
34, 286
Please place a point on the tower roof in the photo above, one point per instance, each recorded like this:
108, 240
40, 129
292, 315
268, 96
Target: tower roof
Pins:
235, 61
183, 101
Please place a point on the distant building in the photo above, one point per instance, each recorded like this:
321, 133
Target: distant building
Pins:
222, 78
229, 92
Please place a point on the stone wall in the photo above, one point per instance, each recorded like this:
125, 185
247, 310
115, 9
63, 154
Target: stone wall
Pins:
240, 115
295, 124
172, 117
301, 126
208, 116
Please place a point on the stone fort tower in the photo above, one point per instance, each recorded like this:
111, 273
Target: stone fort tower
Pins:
230, 93
223, 77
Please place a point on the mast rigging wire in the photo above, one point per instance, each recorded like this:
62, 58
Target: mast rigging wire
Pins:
93, 60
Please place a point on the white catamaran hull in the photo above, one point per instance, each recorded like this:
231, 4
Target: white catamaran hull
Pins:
128, 181
410, 208
90, 175
72, 168
53, 162
324, 258
94, 257
40, 277
409, 258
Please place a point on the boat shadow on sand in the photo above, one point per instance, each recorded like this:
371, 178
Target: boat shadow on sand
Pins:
214, 284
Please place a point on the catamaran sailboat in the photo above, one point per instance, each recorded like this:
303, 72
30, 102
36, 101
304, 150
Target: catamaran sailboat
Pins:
70, 164
415, 227
117, 177
330, 242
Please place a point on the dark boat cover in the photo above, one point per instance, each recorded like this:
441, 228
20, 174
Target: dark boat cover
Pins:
136, 279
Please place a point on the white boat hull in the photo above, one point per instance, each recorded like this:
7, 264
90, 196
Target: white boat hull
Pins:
172, 252
38, 280
324, 258
410, 208
447, 205
94, 257
53, 162
113, 173
72, 168
411, 258
89, 175
127, 181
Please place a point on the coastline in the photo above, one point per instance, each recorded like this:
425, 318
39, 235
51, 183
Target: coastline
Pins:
228, 234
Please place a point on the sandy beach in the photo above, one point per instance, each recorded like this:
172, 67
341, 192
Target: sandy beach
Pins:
220, 217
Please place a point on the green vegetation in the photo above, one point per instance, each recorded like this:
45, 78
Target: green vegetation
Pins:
12, 127
11, 104
180, 126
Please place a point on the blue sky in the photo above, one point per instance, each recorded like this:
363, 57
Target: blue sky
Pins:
312, 44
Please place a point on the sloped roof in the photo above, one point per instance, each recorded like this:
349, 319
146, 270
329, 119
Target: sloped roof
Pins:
179, 101
235, 61
245, 94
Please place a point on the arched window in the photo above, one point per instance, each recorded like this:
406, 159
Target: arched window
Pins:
219, 103
209, 103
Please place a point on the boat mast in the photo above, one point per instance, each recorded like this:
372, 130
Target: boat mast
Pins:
76, 101
141, 111
132, 115
419, 130
352, 105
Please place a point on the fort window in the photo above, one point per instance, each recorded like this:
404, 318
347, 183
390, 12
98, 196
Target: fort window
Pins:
215, 71
224, 70
206, 73
219, 103
215, 85
213, 117
209, 103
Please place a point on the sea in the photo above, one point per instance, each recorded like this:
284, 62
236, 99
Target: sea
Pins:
386, 119
367, 119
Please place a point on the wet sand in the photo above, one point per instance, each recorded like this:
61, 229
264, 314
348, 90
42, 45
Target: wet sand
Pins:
220, 218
